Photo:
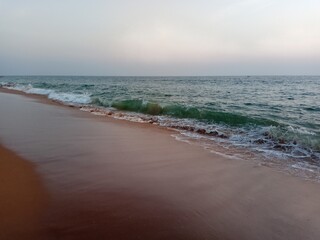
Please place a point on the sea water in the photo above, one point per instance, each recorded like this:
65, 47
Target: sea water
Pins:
274, 120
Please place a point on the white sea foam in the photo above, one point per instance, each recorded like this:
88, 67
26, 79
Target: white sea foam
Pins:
301, 130
18, 87
99, 114
59, 96
128, 117
86, 109
180, 138
235, 157
70, 97
39, 91
304, 166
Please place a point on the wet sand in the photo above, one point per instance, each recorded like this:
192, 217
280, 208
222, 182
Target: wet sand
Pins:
22, 198
112, 179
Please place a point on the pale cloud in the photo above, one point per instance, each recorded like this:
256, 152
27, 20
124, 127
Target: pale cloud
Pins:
160, 37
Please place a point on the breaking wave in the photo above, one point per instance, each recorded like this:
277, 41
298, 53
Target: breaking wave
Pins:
52, 94
273, 139
179, 111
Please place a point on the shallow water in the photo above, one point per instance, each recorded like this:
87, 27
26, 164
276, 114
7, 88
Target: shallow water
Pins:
275, 117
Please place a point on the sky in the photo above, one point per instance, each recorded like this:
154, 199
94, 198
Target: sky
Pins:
167, 37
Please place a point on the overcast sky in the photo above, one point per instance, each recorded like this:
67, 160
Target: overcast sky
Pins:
164, 37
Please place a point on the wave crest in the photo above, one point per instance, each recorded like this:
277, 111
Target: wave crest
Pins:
180, 111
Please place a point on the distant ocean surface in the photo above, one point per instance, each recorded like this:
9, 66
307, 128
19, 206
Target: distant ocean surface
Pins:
271, 119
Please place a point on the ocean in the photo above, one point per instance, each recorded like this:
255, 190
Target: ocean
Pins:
271, 120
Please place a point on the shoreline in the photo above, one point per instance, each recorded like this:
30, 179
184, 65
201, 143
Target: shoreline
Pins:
22, 198
121, 180
71, 107
293, 167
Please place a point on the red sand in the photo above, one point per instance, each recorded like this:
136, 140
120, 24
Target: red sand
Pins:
22, 198
111, 179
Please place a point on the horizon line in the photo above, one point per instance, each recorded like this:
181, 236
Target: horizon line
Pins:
218, 75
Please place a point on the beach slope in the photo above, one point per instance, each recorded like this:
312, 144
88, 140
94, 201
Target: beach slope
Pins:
112, 179
22, 198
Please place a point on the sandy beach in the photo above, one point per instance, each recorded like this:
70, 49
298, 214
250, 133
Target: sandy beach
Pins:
93, 177
22, 198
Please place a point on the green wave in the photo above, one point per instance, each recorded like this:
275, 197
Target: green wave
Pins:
180, 111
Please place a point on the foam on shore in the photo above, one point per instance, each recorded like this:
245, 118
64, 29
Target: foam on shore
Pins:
284, 145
